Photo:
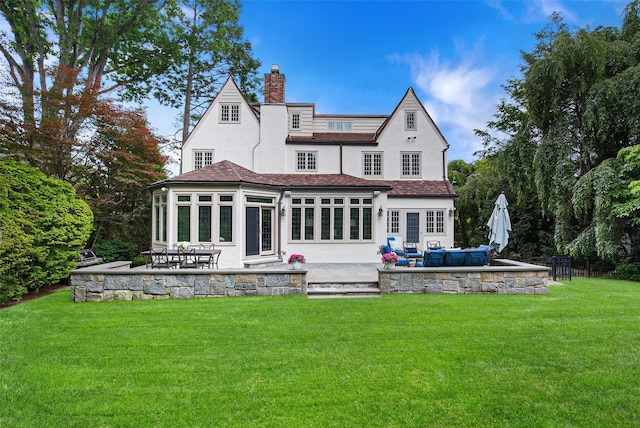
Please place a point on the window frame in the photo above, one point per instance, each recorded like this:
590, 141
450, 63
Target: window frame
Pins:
411, 164
435, 221
229, 113
295, 121
410, 123
372, 164
333, 219
310, 156
203, 162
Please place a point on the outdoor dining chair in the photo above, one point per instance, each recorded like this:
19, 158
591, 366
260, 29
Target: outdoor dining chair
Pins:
160, 259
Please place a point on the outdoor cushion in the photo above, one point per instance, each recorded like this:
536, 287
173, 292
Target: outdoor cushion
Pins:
402, 262
434, 257
455, 258
475, 257
393, 244
412, 251
385, 249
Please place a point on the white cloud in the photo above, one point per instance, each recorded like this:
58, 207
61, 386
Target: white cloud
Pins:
459, 95
540, 10
497, 4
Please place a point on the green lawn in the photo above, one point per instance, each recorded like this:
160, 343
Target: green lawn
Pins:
571, 358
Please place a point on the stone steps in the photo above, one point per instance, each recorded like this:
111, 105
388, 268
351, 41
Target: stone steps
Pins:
318, 293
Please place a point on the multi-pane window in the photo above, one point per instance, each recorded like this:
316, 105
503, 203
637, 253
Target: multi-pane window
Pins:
184, 218
226, 218
204, 218
202, 159
229, 113
333, 218
339, 126
306, 161
160, 223
372, 164
410, 120
295, 121
411, 164
435, 221
393, 222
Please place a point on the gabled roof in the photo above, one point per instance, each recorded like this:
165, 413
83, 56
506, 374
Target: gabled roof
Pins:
411, 92
230, 81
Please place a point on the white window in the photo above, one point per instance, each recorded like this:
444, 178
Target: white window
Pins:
330, 218
410, 120
411, 164
306, 161
230, 113
435, 221
339, 126
160, 219
372, 164
202, 159
393, 222
295, 121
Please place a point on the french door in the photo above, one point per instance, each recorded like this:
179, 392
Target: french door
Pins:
259, 231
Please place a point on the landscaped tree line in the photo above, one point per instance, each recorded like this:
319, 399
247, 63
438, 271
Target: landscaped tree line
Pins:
71, 73
564, 146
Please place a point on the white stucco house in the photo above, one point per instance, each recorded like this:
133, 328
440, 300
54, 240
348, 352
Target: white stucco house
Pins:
264, 180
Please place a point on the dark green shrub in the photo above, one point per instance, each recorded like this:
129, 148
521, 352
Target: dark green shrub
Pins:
43, 225
112, 250
628, 270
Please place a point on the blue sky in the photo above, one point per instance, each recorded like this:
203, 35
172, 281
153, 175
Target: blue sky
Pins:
360, 57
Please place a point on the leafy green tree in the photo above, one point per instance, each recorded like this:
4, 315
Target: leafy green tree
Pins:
210, 47
120, 161
43, 225
559, 134
63, 54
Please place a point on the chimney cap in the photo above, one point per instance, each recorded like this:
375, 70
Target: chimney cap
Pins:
275, 68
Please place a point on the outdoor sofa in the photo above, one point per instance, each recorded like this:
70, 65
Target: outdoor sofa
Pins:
435, 257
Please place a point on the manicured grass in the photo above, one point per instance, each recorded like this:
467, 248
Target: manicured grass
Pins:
571, 358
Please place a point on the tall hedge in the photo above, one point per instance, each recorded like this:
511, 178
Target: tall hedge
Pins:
43, 225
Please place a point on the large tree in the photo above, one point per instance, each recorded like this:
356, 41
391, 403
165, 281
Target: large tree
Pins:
210, 47
559, 133
62, 55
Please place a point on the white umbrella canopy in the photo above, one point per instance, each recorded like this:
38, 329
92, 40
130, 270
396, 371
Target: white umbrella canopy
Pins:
499, 224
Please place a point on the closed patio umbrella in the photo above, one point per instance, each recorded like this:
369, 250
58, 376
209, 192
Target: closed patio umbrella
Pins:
499, 224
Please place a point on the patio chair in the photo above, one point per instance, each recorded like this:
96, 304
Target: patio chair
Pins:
412, 251
160, 259
188, 258
395, 247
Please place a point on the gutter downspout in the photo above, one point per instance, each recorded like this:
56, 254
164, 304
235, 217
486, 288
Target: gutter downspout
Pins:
279, 222
253, 154
341, 146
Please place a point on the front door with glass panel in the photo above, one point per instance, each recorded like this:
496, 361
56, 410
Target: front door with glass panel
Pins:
259, 231
413, 228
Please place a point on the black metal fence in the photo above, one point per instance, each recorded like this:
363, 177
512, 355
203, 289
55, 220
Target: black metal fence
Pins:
566, 267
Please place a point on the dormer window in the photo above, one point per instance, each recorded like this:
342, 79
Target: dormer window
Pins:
229, 113
410, 120
339, 126
295, 121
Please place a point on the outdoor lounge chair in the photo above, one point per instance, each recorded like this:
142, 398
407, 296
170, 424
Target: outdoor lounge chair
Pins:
395, 247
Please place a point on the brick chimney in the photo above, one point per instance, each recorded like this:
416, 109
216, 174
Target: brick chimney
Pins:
274, 86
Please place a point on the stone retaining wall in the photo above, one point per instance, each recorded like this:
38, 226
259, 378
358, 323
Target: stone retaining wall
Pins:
506, 277
97, 284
